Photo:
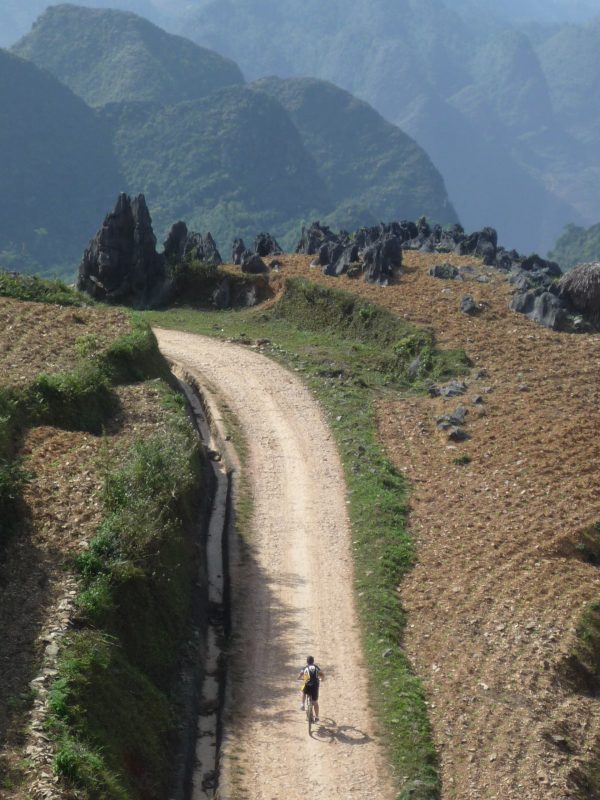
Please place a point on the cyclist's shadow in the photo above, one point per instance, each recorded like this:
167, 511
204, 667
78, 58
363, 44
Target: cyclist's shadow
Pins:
327, 730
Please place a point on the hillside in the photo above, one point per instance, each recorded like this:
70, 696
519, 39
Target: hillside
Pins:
370, 168
571, 63
91, 434
504, 526
496, 535
230, 159
109, 56
577, 246
53, 148
451, 75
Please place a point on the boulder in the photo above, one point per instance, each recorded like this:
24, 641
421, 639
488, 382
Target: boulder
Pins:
545, 308
482, 243
381, 259
469, 306
444, 271
266, 245
183, 245
121, 264
253, 264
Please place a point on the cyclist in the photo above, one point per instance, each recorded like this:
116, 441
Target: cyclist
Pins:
311, 674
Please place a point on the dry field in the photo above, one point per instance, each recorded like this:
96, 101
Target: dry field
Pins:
498, 590
39, 337
62, 505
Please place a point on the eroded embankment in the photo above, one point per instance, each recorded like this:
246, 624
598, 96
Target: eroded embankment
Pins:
103, 571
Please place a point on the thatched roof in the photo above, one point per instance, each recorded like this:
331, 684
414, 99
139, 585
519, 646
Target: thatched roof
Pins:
581, 287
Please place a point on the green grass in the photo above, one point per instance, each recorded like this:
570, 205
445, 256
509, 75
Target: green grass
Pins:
42, 290
581, 669
110, 703
351, 354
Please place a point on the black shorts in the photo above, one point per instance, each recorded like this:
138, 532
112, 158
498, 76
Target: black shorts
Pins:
313, 691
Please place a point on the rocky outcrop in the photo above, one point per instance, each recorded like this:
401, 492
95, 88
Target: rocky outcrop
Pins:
253, 264
374, 252
237, 251
266, 245
121, 264
313, 238
181, 245
542, 307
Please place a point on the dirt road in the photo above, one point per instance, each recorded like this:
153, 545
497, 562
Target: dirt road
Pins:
292, 593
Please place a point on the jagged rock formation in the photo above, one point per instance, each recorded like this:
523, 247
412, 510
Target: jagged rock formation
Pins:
237, 251
572, 303
266, 245
313, 238
181, 245
375, 252
121, 263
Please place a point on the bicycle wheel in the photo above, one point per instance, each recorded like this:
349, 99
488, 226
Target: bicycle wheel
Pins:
309, 713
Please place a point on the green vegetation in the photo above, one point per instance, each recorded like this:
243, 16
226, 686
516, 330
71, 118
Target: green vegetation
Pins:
577, 245
59, 172
351, 354
378, 173
110, 706
195, 282
178, 124
116, 56
33, 288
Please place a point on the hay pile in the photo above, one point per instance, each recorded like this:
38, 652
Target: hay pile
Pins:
581, 287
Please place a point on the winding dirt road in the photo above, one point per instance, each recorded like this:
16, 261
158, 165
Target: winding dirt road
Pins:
292, 593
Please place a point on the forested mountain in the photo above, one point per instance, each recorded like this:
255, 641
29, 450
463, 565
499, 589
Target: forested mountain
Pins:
473, 89
109, 56
232, 159
369, 167
577, 245
59, 171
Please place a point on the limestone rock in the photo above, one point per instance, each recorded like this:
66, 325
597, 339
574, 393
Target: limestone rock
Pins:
121, 264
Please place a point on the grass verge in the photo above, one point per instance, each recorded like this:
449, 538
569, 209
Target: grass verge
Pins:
582, 671
110, 705
352, 353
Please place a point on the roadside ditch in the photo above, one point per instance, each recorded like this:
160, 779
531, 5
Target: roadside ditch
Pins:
198, 773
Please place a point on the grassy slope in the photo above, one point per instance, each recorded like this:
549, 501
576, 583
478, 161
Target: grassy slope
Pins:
351, 353
137, 573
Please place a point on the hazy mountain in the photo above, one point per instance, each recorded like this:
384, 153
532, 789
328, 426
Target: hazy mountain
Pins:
108, 56
467, 86
571, 63
370, 167
237, 159
523, 11
17, 16
59, 171
577, 245
519, 78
